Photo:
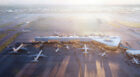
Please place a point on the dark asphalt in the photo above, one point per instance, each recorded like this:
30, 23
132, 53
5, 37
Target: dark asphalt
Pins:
67, 63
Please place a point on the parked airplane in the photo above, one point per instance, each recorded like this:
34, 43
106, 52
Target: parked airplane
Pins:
38, 56
135, 61
19, 49
85, 48
57, 50
67, 47
16, 49
103, 54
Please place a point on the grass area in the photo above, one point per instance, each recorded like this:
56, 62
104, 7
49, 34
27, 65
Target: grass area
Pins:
10, 30
2, 35
124, 23
18, 25
9, 41
15, 27
6, 24
112, 23
130, 24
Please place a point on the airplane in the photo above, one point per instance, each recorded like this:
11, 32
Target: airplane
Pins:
135, 61
67, 47
57, 50
27, 22
41, 55
19, 48
85, 48
26, 30
16, 49
38, 56
22, 49
103, 54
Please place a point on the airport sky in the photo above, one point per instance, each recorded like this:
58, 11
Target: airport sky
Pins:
94, 2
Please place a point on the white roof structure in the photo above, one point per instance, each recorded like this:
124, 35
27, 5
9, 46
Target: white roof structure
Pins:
110, 41
107, 40
133, 52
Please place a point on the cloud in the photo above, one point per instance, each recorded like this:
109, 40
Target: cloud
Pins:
69, 1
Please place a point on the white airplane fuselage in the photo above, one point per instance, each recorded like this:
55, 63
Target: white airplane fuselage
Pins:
16, 49
85, 48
